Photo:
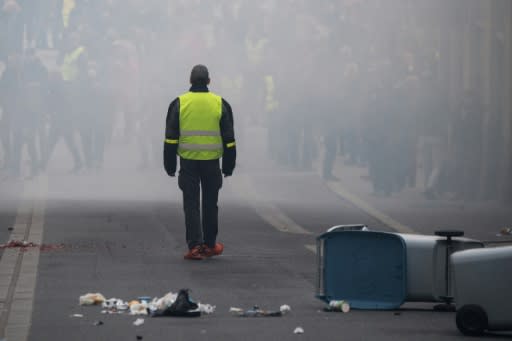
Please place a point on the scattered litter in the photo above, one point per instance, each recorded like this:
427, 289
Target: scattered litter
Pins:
144, 299
183, 306
338, 305
98, 323
169, 305
506, 231
206, 308
92, 299
163, 302
298, 330
24, 245
77, 315
285, 308
139, 309
138, 322
257, 312
115, 304
51, 247
139, 337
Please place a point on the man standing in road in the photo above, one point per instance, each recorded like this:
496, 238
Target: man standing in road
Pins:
199, 128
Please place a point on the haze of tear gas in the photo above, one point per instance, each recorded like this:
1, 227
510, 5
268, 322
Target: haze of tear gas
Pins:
382, 87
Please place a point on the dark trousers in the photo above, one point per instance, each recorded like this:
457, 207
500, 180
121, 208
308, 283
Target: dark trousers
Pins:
200, 178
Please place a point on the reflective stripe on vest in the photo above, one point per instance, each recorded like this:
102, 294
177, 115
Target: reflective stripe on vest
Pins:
69, 70
200, 137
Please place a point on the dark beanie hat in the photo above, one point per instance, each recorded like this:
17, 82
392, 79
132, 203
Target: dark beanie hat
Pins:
199, 75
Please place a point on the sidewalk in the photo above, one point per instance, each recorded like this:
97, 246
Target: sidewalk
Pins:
479, 219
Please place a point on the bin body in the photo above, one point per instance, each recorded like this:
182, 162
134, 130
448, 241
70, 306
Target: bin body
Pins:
426, 265
365, 268
483, 277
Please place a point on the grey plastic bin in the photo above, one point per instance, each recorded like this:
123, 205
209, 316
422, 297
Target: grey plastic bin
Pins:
426, 265
483, 289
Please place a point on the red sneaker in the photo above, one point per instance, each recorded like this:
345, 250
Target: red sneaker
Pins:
212, 251
194, 253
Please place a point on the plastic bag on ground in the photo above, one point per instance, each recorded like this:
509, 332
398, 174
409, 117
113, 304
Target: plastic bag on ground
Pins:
91, 299
181, 307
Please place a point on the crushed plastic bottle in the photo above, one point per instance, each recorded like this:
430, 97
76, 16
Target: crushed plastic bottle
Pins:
338, 305
257, 312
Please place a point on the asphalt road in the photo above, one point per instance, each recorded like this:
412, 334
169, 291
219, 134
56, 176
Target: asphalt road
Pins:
123, 236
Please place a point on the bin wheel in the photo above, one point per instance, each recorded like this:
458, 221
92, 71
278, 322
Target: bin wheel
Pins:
471, 320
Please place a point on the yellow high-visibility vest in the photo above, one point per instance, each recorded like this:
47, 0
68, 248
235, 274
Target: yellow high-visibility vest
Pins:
69, 69
200, 137
67, 8
271, 104
255, 50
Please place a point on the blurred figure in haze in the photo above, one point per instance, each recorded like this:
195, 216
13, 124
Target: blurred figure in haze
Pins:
12, 26
466, 139
35, 78
65, 96
93, 123
10, 90
60, 121
27, 79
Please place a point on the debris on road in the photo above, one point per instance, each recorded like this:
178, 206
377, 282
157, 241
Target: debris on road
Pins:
139, 337
338, 305
138, 322
10, 228
169, 305
506, 231
92, 299
77, 315
138, 308
115, 305
257, 312
298, 330
24, 245
98, 323
181, 307
206, 308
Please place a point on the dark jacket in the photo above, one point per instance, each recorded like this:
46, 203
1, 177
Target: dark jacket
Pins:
172, 132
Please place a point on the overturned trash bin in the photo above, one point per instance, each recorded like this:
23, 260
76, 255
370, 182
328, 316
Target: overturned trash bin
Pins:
429, 276
367, 269
381, 270
482, 289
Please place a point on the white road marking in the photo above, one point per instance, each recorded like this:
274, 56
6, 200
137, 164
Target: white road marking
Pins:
311, 247
267, 211
18, 269
338, 188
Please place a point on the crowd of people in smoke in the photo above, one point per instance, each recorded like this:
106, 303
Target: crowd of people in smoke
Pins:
338, 79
